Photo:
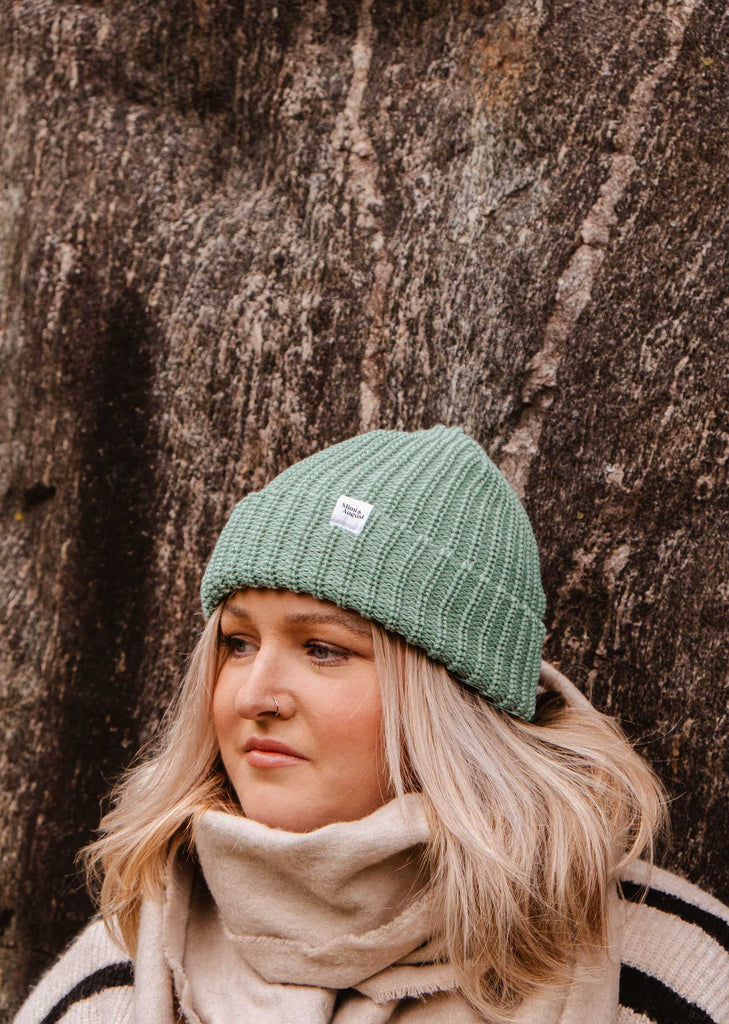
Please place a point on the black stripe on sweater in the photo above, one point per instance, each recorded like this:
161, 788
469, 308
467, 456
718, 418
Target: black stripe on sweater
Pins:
670, 904
113, 976
647, 995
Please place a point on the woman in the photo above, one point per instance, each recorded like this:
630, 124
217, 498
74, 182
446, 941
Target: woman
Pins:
371, 800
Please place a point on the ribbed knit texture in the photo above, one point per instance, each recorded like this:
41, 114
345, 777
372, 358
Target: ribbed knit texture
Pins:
446, 558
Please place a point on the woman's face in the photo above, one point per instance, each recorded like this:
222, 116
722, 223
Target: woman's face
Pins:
318, 760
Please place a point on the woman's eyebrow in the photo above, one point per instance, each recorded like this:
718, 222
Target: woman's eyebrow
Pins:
354, 625
237, 610
331, 618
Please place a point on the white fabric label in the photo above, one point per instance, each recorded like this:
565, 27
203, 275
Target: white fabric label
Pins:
350, 513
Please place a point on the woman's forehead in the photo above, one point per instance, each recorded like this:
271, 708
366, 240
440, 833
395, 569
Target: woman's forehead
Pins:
294, 607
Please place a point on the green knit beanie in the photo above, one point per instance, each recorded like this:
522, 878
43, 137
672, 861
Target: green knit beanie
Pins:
417, 531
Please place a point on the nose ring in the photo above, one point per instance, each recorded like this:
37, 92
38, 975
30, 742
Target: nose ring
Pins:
276, 703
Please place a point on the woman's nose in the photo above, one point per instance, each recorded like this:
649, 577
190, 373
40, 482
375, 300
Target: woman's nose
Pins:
263, 691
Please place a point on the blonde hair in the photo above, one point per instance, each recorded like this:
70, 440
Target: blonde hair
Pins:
530, 823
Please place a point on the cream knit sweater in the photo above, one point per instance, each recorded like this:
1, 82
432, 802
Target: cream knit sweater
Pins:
329, 926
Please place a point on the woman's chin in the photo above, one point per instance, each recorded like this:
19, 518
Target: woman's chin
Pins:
302, 815
299, 819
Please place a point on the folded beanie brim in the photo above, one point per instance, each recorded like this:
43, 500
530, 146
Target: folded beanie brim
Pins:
391, 574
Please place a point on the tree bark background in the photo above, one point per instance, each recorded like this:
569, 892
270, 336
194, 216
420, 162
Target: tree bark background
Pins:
233, 232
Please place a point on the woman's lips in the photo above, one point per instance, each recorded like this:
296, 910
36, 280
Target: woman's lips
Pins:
270, 759
261, 752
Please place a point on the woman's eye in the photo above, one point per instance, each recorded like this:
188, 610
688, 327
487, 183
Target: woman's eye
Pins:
323, 654
238, 646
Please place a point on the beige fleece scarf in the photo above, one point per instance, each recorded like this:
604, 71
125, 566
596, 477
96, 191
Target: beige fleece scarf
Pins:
308, 928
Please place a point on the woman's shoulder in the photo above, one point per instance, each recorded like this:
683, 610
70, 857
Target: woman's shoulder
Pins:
90, 983
675, 950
